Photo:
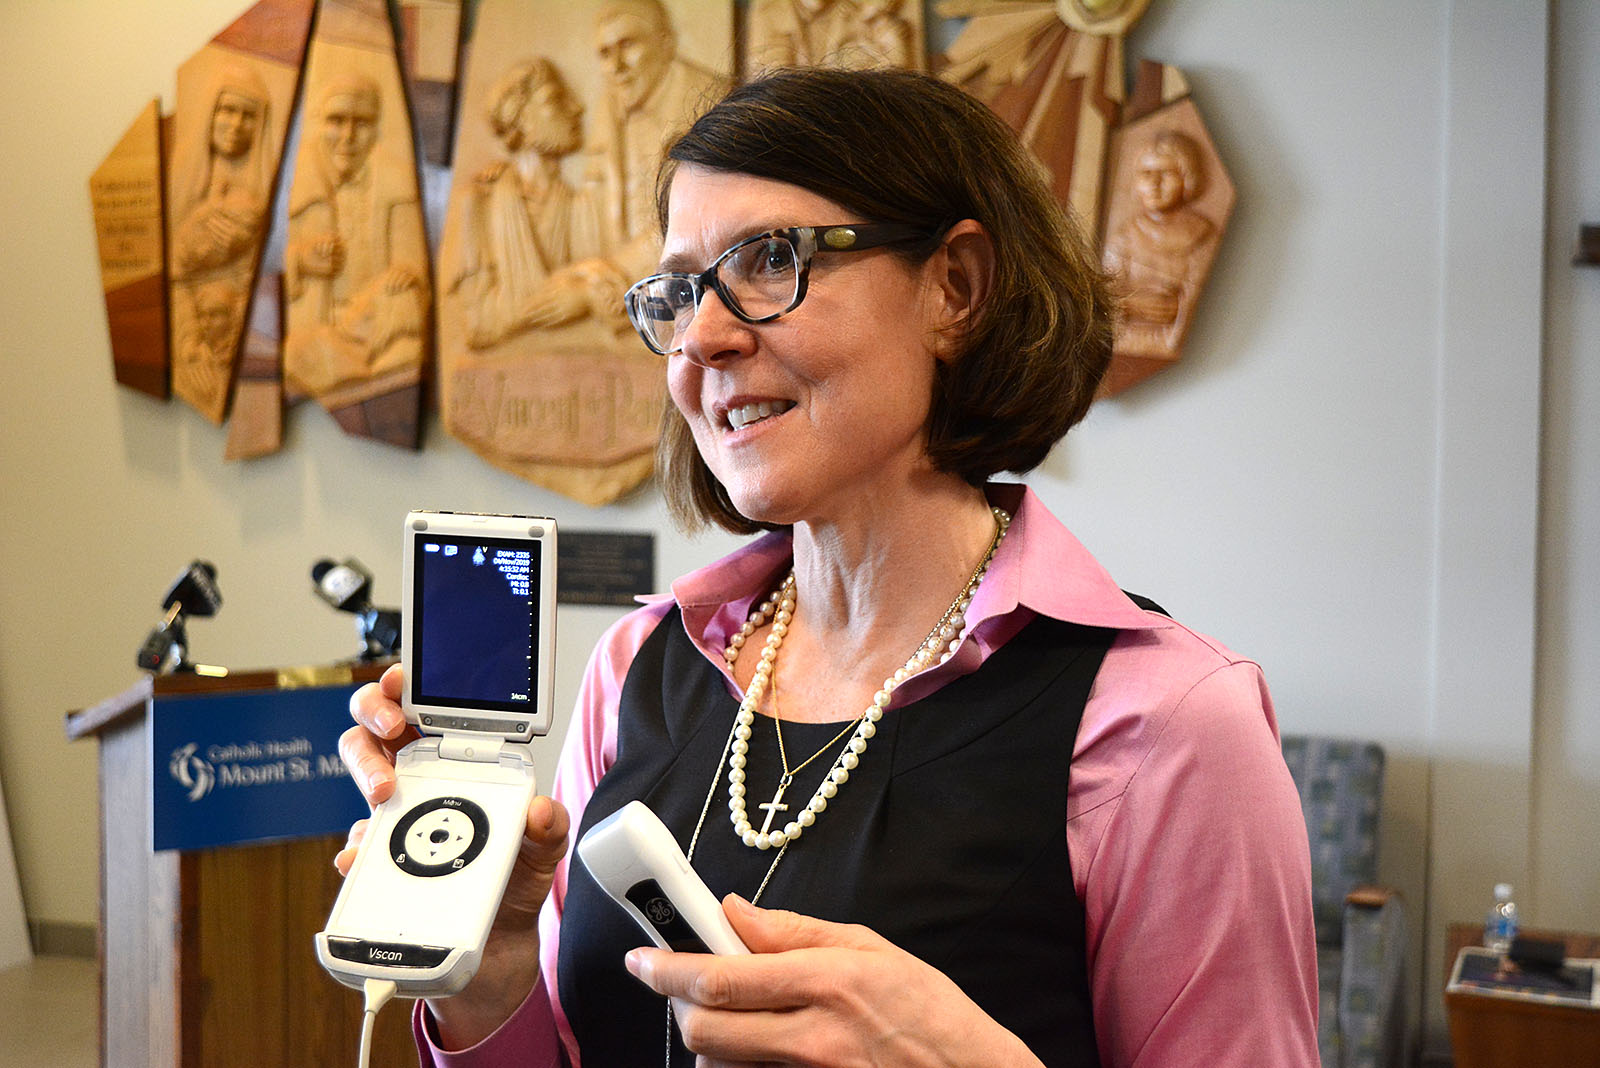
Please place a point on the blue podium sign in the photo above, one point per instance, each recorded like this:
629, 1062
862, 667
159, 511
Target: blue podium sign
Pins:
250, 767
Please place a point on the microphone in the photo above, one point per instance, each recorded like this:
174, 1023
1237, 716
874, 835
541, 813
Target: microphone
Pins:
347, 587
166, 648
194, 592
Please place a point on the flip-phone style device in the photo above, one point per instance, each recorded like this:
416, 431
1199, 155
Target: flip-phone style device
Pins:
478, 610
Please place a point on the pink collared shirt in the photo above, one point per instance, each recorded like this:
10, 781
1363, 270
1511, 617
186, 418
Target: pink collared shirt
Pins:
1184, 830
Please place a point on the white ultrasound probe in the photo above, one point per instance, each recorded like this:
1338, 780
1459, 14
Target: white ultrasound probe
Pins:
635, 859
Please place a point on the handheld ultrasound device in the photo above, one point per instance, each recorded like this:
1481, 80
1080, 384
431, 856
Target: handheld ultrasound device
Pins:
478, 610
635, 859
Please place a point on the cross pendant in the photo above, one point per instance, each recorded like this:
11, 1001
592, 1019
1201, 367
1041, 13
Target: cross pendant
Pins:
775, 806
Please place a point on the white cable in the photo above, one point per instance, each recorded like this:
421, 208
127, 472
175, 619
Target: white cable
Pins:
377, 992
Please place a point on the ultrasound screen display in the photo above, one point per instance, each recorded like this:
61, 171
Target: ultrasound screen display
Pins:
476, 632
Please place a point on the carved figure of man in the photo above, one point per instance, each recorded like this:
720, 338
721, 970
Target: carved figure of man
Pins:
222, 188
207, 339
650, 94
827, 33
355, 265
1161, 253
523, 220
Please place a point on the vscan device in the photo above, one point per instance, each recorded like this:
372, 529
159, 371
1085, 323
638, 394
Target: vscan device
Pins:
478, 611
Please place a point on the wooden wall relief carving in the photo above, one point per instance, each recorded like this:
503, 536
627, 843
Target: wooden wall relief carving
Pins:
356, 264
528, 155
1141, 175
852, 34
1170, 202
552, 215
233, 102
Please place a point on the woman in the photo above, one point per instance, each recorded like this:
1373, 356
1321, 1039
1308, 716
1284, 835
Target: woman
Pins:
220, 194
869, 304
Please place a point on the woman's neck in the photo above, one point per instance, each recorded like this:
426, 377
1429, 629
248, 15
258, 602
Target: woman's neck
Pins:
869, 589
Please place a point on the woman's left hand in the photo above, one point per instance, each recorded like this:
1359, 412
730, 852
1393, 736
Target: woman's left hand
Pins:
821, 994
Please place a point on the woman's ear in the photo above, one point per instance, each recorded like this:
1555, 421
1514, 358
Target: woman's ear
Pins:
963, 277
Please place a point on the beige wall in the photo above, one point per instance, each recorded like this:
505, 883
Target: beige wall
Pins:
1355, 476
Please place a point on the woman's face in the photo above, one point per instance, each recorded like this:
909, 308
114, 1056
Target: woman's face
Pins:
847, 377
235, 119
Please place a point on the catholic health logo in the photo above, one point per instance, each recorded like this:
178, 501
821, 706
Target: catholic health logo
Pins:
251, 764
192, 773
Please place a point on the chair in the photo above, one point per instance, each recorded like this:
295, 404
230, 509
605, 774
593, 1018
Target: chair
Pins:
1361, 927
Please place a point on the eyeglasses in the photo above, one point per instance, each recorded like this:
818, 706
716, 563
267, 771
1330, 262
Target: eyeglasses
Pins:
758, 279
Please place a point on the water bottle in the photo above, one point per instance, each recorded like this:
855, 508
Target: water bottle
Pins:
1500, 926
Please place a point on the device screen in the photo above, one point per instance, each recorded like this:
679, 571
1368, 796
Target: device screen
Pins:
475, 633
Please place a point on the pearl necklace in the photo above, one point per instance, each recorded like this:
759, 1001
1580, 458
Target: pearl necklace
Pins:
939, 646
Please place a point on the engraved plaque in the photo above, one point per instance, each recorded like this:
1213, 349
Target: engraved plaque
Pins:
605, 567
125, 191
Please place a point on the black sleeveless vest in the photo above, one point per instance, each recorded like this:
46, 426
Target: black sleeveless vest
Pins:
948, 839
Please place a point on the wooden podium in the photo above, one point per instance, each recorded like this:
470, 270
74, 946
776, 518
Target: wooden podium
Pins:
206, 956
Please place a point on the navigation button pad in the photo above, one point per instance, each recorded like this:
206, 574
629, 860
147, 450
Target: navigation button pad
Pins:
439, 837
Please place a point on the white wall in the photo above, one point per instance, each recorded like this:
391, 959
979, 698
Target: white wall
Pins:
1340, 479
1565, 860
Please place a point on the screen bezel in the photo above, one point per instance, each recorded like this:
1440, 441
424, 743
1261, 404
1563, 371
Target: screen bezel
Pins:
500, 718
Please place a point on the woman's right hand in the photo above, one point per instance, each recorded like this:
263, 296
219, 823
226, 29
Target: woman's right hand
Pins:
510, 964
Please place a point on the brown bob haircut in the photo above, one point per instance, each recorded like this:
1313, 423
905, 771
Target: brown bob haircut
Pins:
897, 146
